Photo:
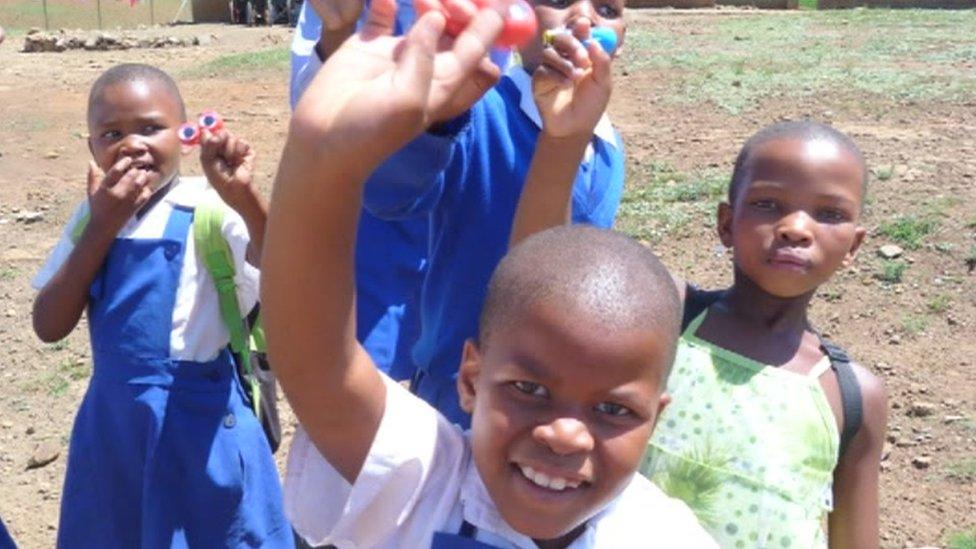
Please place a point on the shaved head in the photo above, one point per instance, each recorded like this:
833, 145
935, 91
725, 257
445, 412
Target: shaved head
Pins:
605, 277
812, 133
135, 72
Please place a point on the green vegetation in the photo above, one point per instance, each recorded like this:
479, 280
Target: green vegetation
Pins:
660, 201
939, 304
908, 231
962, 540
19, 15
56, 382
964, 470
891, 271
884, 173
249, 62
749, 57
914, 325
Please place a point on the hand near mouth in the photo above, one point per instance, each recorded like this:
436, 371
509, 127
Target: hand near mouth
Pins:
116, 195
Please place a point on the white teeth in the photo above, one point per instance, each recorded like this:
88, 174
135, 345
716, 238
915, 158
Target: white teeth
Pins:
543, 480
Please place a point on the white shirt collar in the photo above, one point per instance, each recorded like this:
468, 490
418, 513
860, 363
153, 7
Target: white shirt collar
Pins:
523, 82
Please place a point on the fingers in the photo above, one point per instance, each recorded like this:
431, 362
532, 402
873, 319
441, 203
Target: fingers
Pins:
600, 62
380, 20
475, 41
413, 72
95, 176
212, 145
567, 54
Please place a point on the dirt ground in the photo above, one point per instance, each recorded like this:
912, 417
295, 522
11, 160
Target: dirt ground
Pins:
917, 333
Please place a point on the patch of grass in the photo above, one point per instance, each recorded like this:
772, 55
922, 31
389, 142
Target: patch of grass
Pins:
740, 60
660, 201
248, 62
58, 381
884, 173
9, 273
808, 4
962, 540
891, 271
23, 14
964, 470
914, 325
939, 304
908, 231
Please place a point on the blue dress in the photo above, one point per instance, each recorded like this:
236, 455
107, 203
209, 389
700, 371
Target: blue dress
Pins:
164, 452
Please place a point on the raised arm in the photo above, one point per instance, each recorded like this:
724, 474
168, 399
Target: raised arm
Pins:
374, 94
571, 88
113, 198
854, 521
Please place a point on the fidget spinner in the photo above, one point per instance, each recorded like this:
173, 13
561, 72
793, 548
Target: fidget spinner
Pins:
190, 133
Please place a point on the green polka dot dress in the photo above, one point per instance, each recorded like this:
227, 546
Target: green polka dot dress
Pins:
749, 447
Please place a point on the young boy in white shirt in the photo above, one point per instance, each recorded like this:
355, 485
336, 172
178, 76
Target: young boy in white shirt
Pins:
564, 382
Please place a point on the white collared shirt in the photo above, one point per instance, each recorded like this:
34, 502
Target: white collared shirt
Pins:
419, 478
198, 333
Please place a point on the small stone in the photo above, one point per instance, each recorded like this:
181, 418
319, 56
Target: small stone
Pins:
949, 420
51, 155
30, 430
906, 443
921, 409
884, 367
894, 340
6, 425
921, 462
44, 454
27, 218
890, 251
10, 313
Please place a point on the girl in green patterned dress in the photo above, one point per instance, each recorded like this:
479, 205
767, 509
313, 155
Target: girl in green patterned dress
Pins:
751, 440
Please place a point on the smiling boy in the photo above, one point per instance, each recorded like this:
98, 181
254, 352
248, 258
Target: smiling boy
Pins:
563, 379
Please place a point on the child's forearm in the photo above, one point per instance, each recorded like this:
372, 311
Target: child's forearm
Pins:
331, 39
255, 216
546, 196
59, 305
308, 300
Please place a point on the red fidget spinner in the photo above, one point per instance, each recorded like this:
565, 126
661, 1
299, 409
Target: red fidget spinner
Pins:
520, 21
209, 120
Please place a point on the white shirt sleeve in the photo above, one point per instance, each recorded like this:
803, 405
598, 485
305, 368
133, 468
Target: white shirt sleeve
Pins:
62, 250
405, 491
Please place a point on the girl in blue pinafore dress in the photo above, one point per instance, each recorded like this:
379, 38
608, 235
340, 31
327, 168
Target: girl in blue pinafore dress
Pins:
165, 451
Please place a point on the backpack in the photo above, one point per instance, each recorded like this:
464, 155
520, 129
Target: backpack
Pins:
697, 300
247, 343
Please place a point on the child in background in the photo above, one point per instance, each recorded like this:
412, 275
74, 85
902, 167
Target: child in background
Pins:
465, 175
564, 380
766, 434
164, 451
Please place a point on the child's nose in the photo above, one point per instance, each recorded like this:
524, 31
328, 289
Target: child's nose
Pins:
133, 143
795, 228
565, 436
582, 12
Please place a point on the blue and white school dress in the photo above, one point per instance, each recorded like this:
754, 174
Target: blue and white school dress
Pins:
164, 450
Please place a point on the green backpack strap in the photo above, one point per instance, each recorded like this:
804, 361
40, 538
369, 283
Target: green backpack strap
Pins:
80, 227
217, 258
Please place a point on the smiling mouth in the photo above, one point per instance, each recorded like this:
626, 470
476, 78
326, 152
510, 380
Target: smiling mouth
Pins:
543, 480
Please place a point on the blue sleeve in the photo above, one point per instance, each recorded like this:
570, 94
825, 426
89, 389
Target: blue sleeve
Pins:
411, 182
598, 205
303, 42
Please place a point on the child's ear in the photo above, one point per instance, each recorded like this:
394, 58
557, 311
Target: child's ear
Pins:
724, 224
859, 234
468, 375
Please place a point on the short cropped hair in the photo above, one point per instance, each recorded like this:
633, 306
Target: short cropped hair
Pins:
135, 72
605, 275
803, 130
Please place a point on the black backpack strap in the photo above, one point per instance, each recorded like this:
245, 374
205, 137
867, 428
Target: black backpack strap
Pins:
696, 301
850, 391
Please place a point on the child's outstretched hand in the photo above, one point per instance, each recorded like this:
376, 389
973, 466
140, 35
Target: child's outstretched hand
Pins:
116, 195
228, 162
378, 91
572, 85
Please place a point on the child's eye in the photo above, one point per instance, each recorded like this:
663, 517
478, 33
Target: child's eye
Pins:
111, 135
765, 205
530, 388
559, 4
608, 11
832, 215
612, 409
151, 129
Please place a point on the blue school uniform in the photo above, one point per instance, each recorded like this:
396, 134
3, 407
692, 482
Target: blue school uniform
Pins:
164, 452
467, 178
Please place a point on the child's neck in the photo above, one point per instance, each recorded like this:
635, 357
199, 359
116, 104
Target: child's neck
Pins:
748, 302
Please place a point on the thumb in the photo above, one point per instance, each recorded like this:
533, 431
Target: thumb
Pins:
95, 176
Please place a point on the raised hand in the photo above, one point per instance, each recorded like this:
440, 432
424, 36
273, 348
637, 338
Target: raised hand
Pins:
380, 91
572, 85
228, 162
116, 195
337, 14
